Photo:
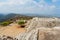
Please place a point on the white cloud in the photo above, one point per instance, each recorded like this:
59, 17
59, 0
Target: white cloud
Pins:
19, 1
54, 0
13, 2
26, 6
52, 7
44, 6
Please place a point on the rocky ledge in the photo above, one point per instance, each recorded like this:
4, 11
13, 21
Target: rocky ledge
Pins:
39, 29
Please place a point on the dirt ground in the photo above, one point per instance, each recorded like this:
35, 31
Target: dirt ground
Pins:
11, 30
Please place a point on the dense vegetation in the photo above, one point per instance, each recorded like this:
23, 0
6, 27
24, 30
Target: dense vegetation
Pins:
5, 23
22, 23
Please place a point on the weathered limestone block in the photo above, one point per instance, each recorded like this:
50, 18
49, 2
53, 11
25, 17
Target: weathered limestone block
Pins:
32, 35
49, 34
4, 37
42, 22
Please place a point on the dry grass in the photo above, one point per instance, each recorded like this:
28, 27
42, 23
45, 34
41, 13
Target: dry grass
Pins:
12, 30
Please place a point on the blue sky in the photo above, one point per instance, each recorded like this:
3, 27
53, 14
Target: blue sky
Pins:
30, 6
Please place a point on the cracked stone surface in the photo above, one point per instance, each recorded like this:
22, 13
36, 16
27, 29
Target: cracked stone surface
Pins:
40, 29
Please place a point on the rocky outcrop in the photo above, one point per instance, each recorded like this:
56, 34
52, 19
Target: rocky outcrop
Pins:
32, 35
42, 22
49, 34
48, 28
4, 37
40, 29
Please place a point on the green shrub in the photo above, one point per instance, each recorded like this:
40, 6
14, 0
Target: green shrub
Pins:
5, 23
21, 22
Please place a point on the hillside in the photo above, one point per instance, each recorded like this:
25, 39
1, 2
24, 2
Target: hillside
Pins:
13, 17
35, 29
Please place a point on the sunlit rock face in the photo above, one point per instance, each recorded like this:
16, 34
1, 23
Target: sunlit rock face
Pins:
42, 22
4, 37
49, 34
48, 28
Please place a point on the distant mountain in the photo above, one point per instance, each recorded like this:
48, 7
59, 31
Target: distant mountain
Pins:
2, 17
43, 15
13, 17
38, 15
